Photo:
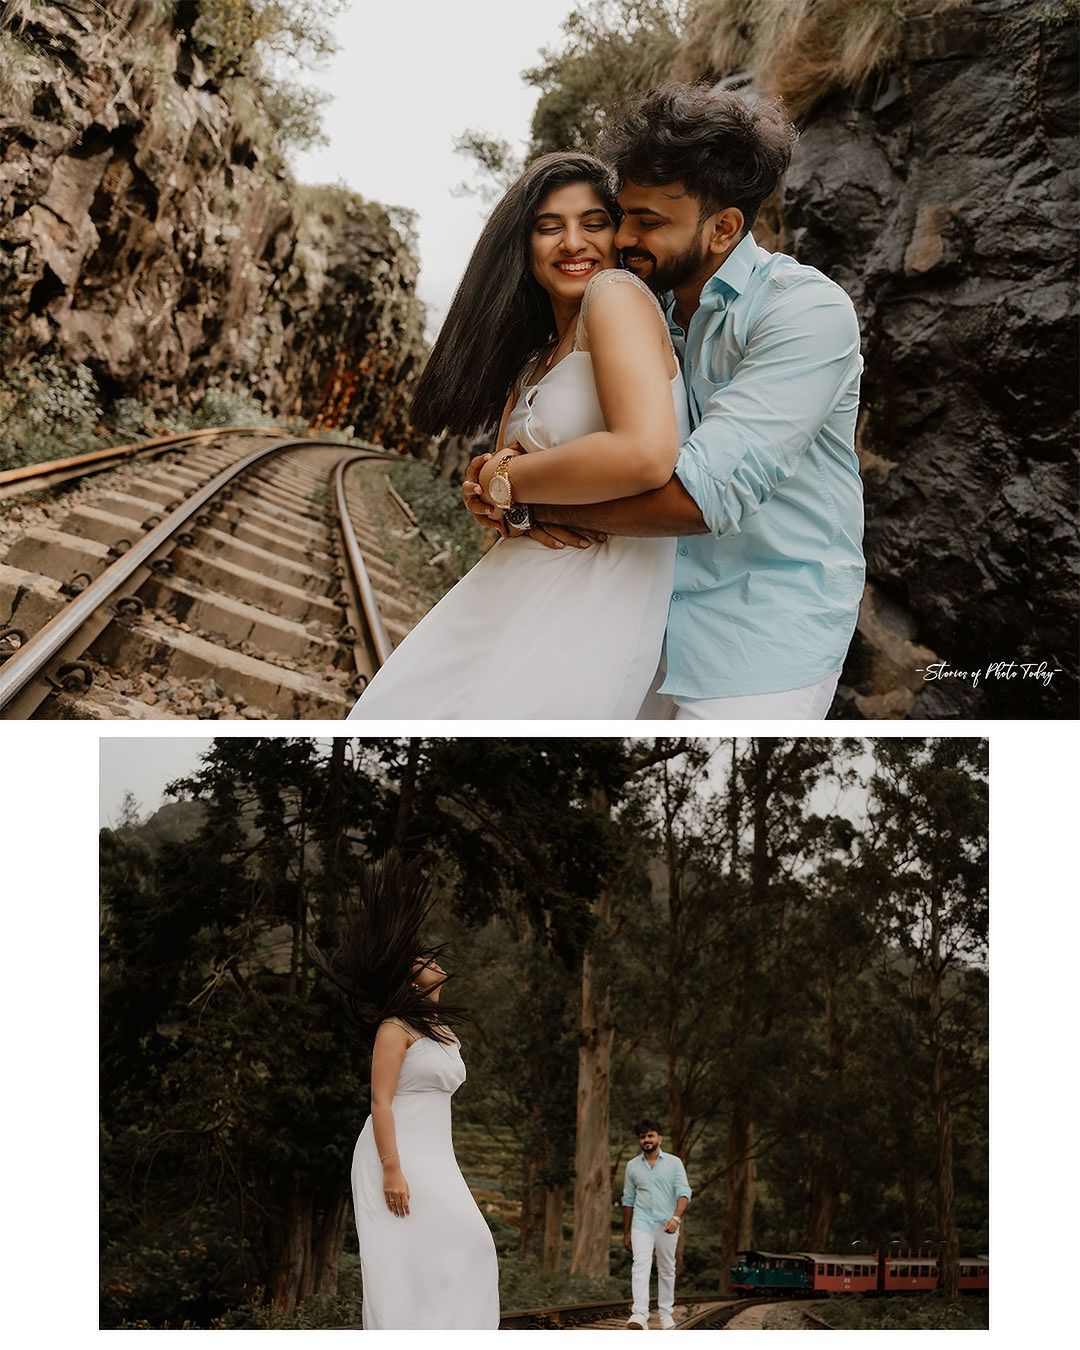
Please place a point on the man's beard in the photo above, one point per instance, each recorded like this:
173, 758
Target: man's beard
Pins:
666, 276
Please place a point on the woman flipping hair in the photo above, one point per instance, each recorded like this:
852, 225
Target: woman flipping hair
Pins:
427, 1256
576, 354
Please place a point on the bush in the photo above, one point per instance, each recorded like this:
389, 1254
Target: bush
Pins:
46, 411
919, 1312
319, 1312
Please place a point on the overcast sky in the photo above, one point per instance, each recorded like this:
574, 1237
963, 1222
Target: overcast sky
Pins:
145, 764
407, 79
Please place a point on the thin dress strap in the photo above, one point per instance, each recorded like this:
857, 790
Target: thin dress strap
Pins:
613, 276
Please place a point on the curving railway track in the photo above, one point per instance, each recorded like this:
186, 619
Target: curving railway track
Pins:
233, 572
694, 1312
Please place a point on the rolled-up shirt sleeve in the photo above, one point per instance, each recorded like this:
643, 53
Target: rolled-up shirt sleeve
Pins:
629, 1190
682, 1186
799, 361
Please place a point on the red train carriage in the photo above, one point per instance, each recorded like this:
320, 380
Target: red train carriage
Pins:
908, 1272
974, 1274
832, 1274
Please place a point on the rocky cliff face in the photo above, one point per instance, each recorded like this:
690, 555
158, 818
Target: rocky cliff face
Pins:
943, 199
146, 231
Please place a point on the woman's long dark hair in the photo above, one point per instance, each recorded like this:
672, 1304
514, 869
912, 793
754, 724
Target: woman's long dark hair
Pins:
500, 313
380, 943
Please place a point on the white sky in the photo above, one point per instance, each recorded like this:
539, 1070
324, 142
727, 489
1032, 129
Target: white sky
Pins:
144, 765
407, 79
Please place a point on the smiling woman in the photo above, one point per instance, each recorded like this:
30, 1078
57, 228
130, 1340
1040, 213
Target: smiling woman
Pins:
575, 353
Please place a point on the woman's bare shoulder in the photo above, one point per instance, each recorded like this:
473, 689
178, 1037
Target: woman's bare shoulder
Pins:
394, 1030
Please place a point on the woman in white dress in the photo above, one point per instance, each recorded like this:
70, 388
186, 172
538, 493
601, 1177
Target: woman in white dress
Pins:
595, 410
426, 1253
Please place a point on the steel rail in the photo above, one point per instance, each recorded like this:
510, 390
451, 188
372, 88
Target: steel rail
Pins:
33, 477
716, 1318
29, 660
580, 1314
380, 638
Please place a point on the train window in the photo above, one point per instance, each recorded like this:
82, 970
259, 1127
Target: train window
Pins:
904, 1272
821, 1268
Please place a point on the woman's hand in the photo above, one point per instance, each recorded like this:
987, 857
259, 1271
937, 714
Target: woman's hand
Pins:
487, 472
396, 1191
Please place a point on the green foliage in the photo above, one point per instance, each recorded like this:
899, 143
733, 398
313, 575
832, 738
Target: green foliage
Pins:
243, 42
46, 410
921, 1312
222, 408
612, 50
436, 503
522, 1285
496, 160
23, 68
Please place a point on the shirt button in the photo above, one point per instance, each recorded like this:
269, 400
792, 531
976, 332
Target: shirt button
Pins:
684, 550
676, 596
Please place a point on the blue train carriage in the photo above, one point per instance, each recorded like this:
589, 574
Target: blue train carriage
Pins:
771, 1272
833, 1274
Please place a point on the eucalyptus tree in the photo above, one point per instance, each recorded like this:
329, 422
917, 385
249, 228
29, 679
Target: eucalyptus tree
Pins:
773, 831
930, 817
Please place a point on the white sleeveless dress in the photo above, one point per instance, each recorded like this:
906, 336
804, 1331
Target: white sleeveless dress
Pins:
535, 632
435, 1269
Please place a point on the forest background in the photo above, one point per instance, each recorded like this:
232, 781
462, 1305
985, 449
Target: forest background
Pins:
778, 947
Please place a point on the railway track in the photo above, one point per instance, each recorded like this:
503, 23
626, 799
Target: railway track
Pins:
692, 1313
234, 572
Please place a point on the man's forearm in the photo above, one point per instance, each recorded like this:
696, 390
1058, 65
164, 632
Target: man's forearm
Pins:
669, 510
627, 1216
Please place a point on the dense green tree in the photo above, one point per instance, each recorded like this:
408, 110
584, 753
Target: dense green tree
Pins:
929, 815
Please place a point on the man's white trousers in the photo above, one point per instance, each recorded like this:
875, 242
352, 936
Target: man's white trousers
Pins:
647, 1242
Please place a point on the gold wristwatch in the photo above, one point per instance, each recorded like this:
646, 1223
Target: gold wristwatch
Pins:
499, 489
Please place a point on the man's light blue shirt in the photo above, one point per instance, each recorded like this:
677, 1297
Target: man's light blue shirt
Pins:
767, 601
653, 1191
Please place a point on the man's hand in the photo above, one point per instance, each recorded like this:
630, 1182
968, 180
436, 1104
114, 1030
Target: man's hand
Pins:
562, 536
672, 1226
626, 1241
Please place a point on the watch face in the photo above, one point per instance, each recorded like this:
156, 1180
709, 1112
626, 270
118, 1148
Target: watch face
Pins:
499, 490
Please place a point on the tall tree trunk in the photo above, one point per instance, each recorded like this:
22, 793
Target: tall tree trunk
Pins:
551, 1251
823, 1175
939, 1096
328, 1242
592, 1152
406, 796
822, 1198
591, 1249
296, 1255
740, 1178
529, 1207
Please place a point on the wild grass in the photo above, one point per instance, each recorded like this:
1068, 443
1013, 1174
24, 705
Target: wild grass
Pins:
796, 50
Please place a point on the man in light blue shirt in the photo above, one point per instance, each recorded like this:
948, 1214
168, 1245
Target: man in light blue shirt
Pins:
655, 1196
766, 496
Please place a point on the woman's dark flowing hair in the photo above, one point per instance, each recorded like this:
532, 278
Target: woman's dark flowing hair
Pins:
380, 943
500, 314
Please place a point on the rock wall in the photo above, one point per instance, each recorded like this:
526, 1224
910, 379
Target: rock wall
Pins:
943, 198
146, 231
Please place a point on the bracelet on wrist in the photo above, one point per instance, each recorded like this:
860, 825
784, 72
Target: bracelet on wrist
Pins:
387, 1159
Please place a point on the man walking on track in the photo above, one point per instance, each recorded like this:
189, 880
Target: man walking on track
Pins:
655, 1196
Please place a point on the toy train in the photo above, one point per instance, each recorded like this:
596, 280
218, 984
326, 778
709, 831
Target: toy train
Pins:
827, 1273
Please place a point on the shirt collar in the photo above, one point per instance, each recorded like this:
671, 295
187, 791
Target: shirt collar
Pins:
729, 279
659, 1155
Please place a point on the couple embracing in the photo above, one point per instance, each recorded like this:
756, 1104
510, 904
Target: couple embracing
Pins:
674, 480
